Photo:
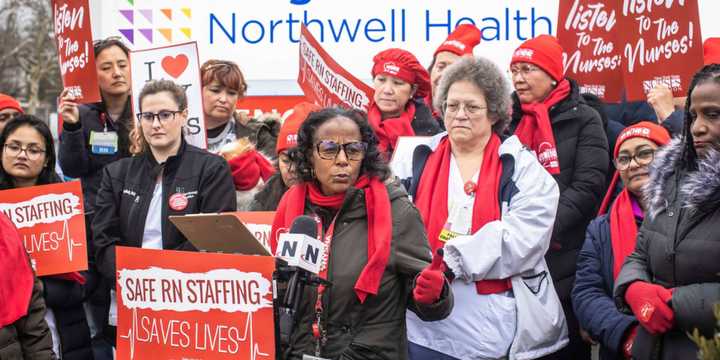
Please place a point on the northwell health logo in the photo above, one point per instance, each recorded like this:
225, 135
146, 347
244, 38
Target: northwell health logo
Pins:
143, 24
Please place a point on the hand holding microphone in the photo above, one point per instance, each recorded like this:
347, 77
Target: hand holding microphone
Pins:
430, 282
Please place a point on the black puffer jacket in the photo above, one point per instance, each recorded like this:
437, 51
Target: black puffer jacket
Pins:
65, 299
424, 124
678, 248
374, 330
582, 149
269, 197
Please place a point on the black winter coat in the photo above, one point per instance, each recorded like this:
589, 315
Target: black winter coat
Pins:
28, 338
75, 154
582, 150
424, 124
678, 247
126, 191
269, 197
375, 329
65, 299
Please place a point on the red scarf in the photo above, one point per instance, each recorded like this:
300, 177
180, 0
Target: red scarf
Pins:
535, 130
623, 230
388, 130
379, 217
432, 194
16, 279
248, 168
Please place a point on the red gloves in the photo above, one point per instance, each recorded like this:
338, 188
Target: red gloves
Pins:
628, 344
429, 284
649, 303
247, 169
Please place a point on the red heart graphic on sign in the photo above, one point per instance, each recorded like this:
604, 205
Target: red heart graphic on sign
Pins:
175, 66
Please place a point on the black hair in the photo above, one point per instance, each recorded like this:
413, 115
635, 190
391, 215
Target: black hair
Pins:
100, 45
48, 174
709, 72
373, 164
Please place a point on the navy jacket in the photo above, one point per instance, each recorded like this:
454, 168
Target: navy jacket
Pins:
592, 294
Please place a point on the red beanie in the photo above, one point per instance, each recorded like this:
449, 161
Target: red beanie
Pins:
287, 137
545, 52
461, 41
405, 66
9, 102
646, 129
711, 51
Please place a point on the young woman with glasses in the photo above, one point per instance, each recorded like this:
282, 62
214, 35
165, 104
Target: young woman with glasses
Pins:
169, 177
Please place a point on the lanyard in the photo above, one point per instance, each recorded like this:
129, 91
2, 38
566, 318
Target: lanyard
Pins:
103, 121
318, 330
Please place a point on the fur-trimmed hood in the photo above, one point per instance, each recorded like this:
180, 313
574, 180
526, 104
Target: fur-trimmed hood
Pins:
699, 190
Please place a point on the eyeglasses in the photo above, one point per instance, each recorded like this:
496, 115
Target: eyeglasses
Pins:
31, 151
453, 108
8, 116
642, 158
329, 150
163, 116
523, 70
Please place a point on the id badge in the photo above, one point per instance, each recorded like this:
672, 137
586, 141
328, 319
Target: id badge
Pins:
310, 357
103, 143
458, 222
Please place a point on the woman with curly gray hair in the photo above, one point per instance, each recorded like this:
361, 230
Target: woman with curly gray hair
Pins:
491, 206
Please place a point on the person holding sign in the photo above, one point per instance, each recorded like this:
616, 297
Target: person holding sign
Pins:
670, 281
491, 206
9, 108
28, 159
611, 237
551, 118
398, 108
269, 197
169, 177
24, 333
375, 245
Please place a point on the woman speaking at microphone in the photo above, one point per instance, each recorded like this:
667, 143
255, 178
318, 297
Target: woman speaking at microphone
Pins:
377, 253
169, 177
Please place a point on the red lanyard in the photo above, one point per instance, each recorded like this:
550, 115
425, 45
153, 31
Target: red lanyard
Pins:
318, 330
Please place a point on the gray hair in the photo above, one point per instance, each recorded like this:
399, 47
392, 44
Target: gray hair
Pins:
487, 76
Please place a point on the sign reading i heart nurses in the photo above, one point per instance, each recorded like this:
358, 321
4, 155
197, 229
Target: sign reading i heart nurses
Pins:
180, 64
194, 305
51, 222
325, 82
73, 37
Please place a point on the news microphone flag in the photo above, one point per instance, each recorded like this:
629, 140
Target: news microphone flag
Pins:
300, 247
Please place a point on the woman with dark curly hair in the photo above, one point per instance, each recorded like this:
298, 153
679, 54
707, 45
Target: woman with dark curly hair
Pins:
377, 253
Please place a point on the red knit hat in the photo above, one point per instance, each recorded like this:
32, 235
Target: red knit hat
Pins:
711, 51
287, 137
403, 65
545, 52
645, 129
461, 41
9, 102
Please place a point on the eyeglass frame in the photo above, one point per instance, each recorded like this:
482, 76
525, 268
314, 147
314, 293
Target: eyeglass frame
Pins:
528, 68
25, 149
635, 158
463, 106
157, 116
344, 149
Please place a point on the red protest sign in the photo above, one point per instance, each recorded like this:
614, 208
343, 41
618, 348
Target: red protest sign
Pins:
73, 36
663, 45
193, 305
326, 83
259, 223
51, 222
588, 32
257, 106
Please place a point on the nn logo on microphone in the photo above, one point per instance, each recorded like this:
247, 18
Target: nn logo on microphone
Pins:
301, 250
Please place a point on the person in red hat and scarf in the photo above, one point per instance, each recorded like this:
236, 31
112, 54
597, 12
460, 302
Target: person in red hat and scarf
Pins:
269, 197
9, 108
491, 206
459, 43
377, 257
552, 119
398, 108
611, 237
24, 334
28, 158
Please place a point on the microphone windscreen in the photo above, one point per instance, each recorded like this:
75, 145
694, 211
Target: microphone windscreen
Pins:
305, 225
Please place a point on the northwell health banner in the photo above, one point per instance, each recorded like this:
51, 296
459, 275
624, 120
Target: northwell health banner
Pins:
194, 305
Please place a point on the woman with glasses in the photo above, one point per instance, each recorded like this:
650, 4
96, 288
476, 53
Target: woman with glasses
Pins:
398, 108
269, 197
491, 206
28, 159
169, 177
611, 237
377, 254
670, 281
552, 119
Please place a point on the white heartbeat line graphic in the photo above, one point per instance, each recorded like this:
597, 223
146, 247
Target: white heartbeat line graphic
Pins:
70, 242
